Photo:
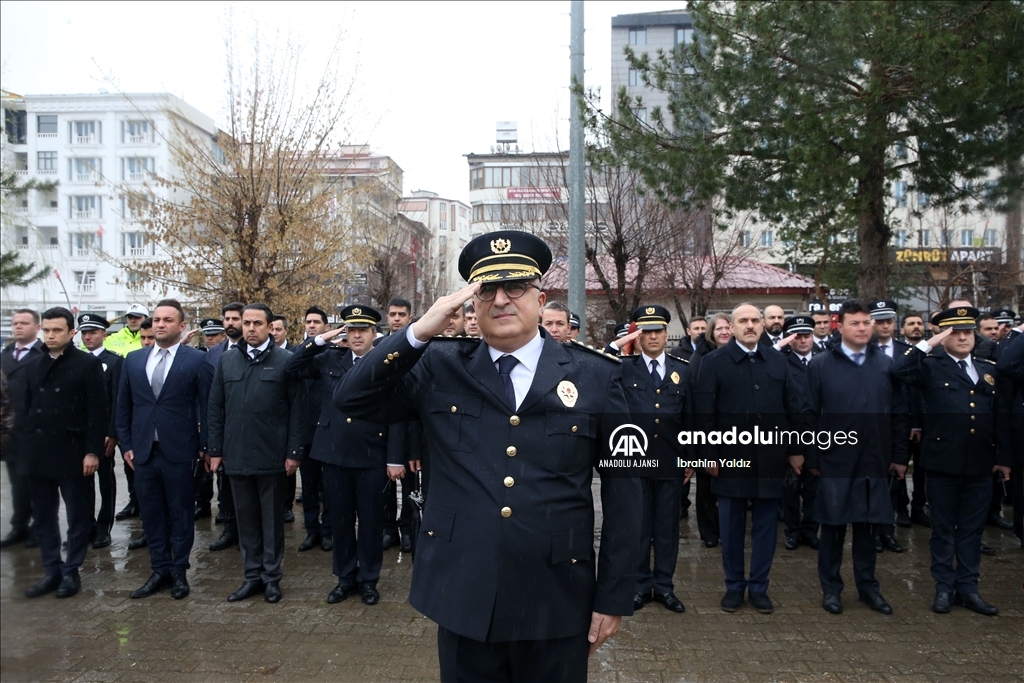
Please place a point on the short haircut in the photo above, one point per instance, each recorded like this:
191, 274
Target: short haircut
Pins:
984, 316
59, 312
695, 319
260, 307
316, 310
147, 324
818, 314
282, 319
173, 303
468, 308
30, 311
852, 306
732, 315
713, 323
556, 306
399, 302
235, 306
908, 316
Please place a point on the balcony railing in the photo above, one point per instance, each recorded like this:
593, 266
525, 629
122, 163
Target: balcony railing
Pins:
137, 251
89, 177
48, 209
137, 175
136, 139
21, 171
20, 210
85, 215
84, 139
82, 252
45, 171
46, 135
85, 287
49, 247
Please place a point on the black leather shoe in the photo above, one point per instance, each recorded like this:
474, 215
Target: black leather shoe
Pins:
890, 543
127, 512
102, 540
792, 542
710, 544
312, 541
340, 593
246, 591
370, 594
13, 538
179, 587
202, 512
220, 518
973, 601
903, 519
670, 602
154, 584
298, 499
810, 541
878, 545
47, 585
832, 603
69, 585
139, 542
987, 550
920, 517
731, 601
272, 592
876, 602
761, 602
390, 540
998, 522
226, 540
942, 603
406, 544
641, 599
31, 541
327, 545
289, 517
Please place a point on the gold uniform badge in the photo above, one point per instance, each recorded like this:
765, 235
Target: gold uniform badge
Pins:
990, 379
568, 393
675, 377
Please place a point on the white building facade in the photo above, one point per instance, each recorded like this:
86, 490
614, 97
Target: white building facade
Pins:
449, 223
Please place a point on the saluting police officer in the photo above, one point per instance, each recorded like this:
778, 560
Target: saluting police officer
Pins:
515, 423
961, 451
658, 394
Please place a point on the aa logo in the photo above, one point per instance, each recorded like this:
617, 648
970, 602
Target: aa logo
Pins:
628, 441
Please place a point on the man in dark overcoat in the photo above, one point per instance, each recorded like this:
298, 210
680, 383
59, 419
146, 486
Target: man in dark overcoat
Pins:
1010, 367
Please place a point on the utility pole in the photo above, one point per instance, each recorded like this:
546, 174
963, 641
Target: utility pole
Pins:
577, 197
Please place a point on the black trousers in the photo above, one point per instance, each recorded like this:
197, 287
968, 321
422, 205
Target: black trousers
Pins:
21, 499
168, 510
129, 476
707, 508
202, 487
390, 507
356, 493
1017, 484
796, 489
685, 497
919, 478
659, 528
959, 509
78, 495
108, 496
464, 660
259, 510
290, 484
313, 496
830, 557
226, 502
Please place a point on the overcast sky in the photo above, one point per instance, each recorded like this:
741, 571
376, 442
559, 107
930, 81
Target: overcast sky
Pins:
431, 79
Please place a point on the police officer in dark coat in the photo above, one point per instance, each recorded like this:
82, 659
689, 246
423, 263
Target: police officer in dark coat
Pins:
515, 423
93, 329
354, 457
741, 386
658, 393
960, 451
213, 334
1011, 374
850, 390
799, 347
66, 419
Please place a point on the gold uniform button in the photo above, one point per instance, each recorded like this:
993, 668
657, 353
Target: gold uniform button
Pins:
972, 417
657, 421
454, 409
575, 429
511, 451
514, 420
655, 436
509, 483
430, 533
348, 420
657, 391
972, 392
657, 405
391, 356
396, 354
972, 431
573, 560
972, 405
387, 362
506, 512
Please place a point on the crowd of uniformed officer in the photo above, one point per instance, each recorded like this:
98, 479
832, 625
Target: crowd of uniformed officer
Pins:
952, 403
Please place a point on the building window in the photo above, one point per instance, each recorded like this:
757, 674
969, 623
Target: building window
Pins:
21, 161
85, 207
46, 162
991, 238
476, 178
637, 36
684, 35
767, 238
478, 212
82, 243
967, 238
15, 123
634, 77
923, 200
899, 191
744, 238
135, 132
900, 238
136, 168
924, 238
85, 281
86, 170
641, 114
85, 132
899, 150
135, 244
46, 125
945, 238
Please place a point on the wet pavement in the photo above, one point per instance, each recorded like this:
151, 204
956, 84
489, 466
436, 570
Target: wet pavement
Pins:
103, 635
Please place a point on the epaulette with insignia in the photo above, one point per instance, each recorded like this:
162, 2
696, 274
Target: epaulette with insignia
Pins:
458, 337
678, 358
984, 360
597, 352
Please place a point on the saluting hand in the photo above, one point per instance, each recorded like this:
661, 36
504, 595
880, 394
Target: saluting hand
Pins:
331, 334
937, 339
784, 342
631, 337
436, 319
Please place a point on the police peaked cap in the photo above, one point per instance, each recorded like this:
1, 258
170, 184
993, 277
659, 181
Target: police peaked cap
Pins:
504, 255
360, 316
652, 317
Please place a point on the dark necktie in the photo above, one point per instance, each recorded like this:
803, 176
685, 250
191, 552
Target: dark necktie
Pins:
655, 377
254, 354
505, 365
963, 366
804, 360
18, 350
858, 358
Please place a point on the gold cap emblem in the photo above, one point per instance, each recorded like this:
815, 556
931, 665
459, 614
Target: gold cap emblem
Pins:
961, 311
650, 310
357, 311
501, 246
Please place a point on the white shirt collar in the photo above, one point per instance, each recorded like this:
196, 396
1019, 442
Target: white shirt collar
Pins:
648, 359
528, 354
284, 345
97, 351
850, 352
806, 356
262, 347
171, 351
744, 348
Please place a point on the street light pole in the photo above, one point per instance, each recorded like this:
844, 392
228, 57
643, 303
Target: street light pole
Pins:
577, 198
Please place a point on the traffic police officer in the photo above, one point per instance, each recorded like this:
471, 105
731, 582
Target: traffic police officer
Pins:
959, 451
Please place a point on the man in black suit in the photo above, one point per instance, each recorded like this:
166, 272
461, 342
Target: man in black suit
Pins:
774, 319
161, 400
912, 331
213, 334
798, 346
515, 422
354, 457
741, 386
396, 524
231, 318
257, 421
658, 393
93, 328
13, 361
1011, 374
66, 418
279, 331
964, 445
318, 526
822, 330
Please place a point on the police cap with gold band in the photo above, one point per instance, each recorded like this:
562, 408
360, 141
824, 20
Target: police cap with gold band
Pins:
211, 325
360, 316
92, 321
503, 256
651, 318
959, 318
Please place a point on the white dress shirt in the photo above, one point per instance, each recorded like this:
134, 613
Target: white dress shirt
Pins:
886, 347
972, 371
661, 364
154, 359
262, 347
97, 352
850, 353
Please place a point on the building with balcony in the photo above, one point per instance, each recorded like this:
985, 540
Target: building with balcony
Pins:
448, 222
645, 33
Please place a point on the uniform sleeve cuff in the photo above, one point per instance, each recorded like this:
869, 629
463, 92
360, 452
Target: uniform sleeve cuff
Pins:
923, 346
413, 341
